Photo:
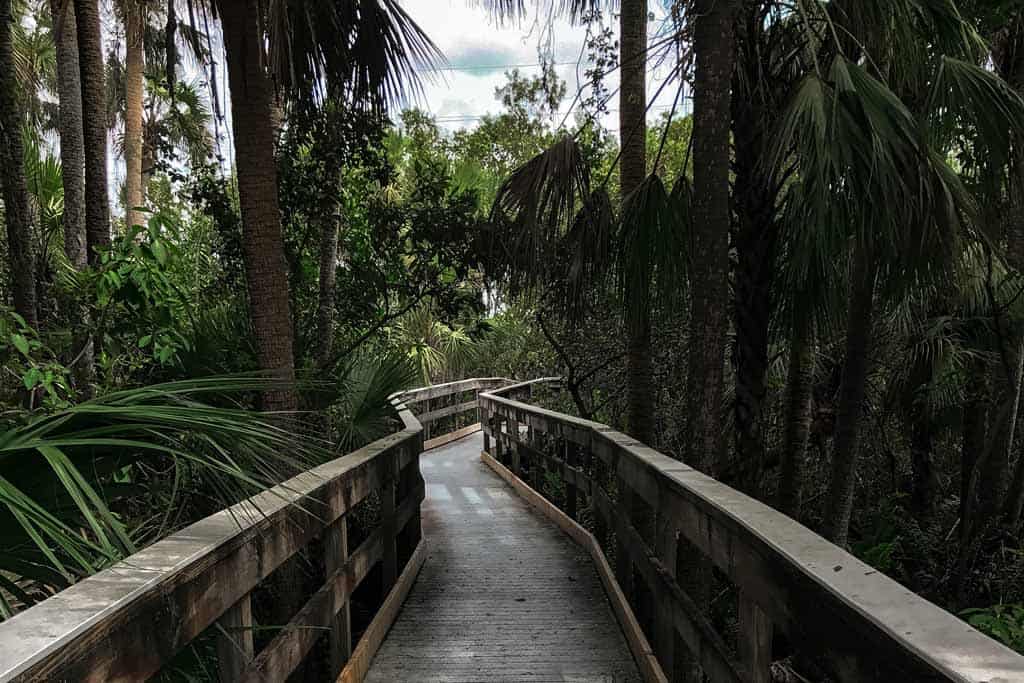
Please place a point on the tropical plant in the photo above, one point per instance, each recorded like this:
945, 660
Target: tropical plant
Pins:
66, 477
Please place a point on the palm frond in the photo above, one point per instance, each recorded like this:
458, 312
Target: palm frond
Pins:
369, 52
57, 471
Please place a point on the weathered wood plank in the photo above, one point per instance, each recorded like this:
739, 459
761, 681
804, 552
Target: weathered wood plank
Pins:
335, 559
439, 413
235, 640
755, 641
443, 439
369, 644
642, 652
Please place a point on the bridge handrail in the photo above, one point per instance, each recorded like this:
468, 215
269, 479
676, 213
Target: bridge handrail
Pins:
127, 621
829, 605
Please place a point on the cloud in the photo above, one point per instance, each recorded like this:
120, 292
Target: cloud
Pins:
482, 59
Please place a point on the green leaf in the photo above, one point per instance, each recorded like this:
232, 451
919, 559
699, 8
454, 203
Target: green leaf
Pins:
20, 343
160, 252
145, 341
31, 378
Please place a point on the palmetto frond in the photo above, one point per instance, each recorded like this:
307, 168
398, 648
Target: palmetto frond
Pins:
57, 472
865, 168
536, 206
652, 246
369, 52
507, 10
364, 411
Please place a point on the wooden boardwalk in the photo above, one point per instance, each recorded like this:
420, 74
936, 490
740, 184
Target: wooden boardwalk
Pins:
503, 595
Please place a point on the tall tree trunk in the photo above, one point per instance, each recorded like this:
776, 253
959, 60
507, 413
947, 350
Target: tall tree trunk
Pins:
799, 383
94, 126
925, 478
713, 44
1009, 52
134, 68
632, 171
72, 161
756, 242
17, 213
851, 396
72, 143
972, 445
328, 278
252, 99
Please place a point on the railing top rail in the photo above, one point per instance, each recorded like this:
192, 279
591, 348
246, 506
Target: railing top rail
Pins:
245, 542
449, 388
810, 586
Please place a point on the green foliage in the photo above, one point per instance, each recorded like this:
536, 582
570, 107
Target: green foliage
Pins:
140, 309
67, 477
37, 367
1005, 623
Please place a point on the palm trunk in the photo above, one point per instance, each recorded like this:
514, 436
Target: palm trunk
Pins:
799, 382
17, 213
72, 144
640, 398
72, 160
252, 100
1015, 498
851, 396
328, 278
632, 171
975, 427
94, 126
713, 44
756, 241
925, 484
135, 24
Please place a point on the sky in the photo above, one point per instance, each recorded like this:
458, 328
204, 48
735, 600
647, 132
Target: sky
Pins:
479, 51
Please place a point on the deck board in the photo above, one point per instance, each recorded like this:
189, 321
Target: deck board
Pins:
503, 595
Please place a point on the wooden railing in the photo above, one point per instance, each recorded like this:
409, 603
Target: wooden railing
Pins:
129, 621
444, 410
663, 525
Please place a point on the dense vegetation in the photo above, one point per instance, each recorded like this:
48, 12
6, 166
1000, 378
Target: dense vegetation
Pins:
810, 287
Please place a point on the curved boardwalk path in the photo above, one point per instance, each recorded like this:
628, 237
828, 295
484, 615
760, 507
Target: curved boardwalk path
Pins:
503, 595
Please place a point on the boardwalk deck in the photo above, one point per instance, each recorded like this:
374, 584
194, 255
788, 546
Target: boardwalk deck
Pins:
503, 595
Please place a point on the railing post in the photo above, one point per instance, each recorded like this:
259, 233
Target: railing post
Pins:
513, 444
335, 556
498, 445
428, 403
389, 563
488, 424
569, 458
623, 560
234, 642
666, 546
755, 641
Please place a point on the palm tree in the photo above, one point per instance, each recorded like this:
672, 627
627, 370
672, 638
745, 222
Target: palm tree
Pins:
713, 47
134, 16
632, 171
371, 50
72, 142
94, 125
17, 215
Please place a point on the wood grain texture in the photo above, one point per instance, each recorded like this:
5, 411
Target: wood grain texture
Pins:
369, 644
638, 644
503, 594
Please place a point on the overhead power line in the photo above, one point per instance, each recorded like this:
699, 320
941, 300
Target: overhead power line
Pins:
491, 67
